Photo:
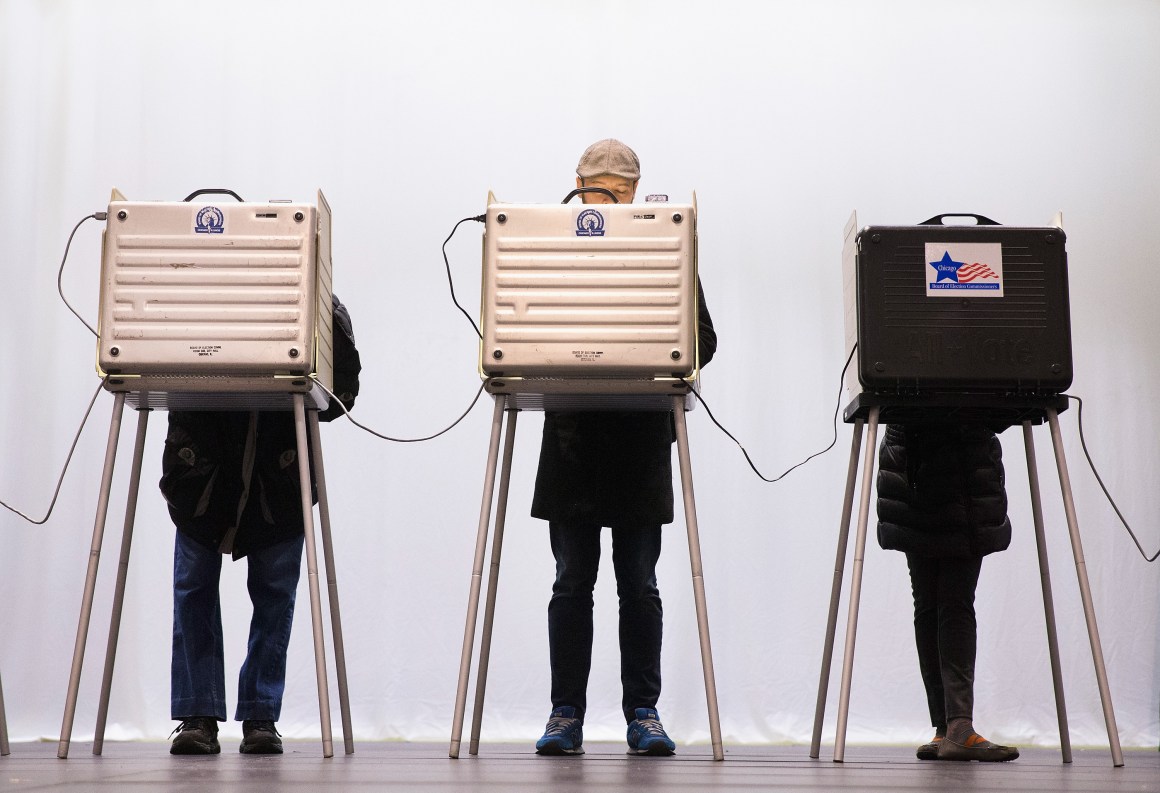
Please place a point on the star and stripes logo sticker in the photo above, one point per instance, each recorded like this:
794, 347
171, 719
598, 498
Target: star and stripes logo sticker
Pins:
967, 269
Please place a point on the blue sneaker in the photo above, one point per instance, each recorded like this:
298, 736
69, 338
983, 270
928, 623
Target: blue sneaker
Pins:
647, 736
564, 733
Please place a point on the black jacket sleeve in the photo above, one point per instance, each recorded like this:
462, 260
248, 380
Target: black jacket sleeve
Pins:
347, 364
706, 335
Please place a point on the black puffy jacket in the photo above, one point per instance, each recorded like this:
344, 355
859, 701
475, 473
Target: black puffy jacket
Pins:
941, 491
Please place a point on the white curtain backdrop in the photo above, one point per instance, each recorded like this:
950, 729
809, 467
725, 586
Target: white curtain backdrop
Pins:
783, 117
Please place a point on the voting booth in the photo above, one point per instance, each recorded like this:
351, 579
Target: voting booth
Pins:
583, 307
216, 304
956, 323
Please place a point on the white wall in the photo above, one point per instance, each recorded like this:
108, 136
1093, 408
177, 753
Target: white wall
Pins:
784, 117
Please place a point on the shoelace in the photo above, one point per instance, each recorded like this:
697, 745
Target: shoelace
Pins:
187, 724
652, 727
558, 725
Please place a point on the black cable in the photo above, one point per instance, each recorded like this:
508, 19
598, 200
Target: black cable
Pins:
837, 407
601, 190
67, 460
450, 283
404, 440
63, 259
1108, 495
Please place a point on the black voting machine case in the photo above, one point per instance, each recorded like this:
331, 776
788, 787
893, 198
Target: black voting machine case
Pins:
956, 322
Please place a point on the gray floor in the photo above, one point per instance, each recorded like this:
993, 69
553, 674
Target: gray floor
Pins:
512, 768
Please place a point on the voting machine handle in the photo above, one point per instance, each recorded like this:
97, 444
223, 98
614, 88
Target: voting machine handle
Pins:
213, 191
579, 190
937, 220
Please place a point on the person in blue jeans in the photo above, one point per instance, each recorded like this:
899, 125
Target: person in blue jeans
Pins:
611, 469
230, 480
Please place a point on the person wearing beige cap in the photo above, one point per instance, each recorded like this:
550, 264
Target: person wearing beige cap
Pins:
610, 469
611, 165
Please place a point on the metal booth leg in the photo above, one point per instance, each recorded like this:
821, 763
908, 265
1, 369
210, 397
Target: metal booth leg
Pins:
122, 576
493, 577
91, 578
312, 573
476, 579
856, 585
1045, 585
698, 576
1085, 591
331, 581
836, 589
4, 750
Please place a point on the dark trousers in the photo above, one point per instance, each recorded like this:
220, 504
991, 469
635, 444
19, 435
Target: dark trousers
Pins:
197, 674
945, 633
635, 550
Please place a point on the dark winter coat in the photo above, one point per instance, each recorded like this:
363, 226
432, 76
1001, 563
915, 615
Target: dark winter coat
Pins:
941, 491
204, 465
612, 468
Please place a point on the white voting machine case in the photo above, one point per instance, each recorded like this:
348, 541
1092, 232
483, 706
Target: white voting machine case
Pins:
216, 304
589, 299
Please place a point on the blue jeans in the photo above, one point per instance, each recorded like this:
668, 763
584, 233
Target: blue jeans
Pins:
635, 550
197, 676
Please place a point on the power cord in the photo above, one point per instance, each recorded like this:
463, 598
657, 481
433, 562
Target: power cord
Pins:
72, 448
451, 283
63, 259
1120, 515
404, 440
89, 409
67, 460
749, 460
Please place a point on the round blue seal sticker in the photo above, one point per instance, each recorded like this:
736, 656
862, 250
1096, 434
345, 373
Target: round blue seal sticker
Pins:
210, 220
590, 223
